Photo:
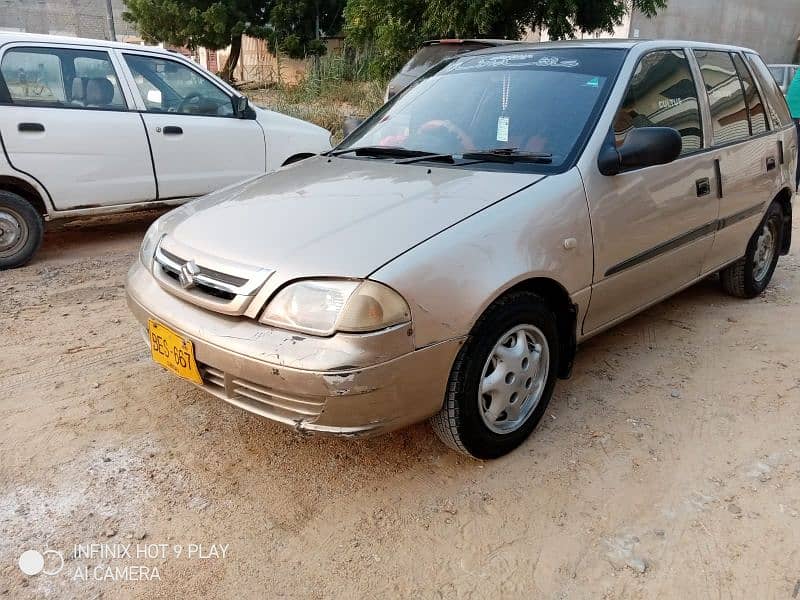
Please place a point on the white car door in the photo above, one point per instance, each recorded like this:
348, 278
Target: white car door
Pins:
66, 122
198, 143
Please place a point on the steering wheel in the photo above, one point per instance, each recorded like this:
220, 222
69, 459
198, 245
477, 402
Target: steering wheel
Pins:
450, 127
187, 100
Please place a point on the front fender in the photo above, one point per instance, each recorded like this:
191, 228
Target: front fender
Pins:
542, 231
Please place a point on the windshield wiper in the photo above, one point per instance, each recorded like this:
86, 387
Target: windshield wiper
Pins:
508, 155
380, 151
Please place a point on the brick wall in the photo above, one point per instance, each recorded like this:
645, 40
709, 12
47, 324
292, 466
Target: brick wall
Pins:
81, 18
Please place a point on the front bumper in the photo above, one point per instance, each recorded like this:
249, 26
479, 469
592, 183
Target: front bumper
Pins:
346, 385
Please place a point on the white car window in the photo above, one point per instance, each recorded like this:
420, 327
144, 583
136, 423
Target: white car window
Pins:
169, 86
61, 77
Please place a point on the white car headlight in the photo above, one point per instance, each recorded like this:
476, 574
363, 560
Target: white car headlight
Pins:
148, 248
325, 306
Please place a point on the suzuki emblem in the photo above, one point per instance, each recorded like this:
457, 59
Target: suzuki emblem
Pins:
188, 272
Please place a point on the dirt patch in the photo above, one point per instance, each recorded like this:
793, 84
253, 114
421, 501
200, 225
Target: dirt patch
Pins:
668, 466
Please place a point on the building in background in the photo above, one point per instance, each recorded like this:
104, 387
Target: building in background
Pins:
74, 18
772, 27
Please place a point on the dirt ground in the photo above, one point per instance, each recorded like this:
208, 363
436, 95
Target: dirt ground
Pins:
667, 467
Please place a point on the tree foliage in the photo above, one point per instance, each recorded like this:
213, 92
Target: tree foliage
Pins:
289, 25
214, 24
393, 29
389, 29
294, 23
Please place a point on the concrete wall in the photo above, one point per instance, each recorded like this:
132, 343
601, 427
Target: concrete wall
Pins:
82, 18
770, 26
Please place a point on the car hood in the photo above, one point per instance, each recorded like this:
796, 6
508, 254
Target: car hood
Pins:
335, 216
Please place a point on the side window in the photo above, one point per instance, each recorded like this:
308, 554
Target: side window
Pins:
169, 86
662, 93
776, 103
725, 95
61, 77
755, 107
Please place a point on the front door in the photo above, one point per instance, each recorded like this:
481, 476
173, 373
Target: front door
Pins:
653, 227
198, 144
65, 122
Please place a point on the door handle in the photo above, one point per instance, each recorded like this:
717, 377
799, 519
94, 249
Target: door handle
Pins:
703, 187
30, 127
172, 130
771, 164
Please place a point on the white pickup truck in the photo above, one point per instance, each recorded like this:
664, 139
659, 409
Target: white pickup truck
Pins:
90, 127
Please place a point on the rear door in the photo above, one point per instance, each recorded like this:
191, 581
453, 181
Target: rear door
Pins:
65, 121
746, 153
198, 144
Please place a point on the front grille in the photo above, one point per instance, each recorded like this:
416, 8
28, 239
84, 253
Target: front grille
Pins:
257, 398
206, 289
210, 273
213, 283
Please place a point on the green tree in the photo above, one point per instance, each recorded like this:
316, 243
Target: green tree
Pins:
392, 29
214, 24
294, 25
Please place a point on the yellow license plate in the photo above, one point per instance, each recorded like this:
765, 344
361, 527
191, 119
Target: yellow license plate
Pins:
173, 352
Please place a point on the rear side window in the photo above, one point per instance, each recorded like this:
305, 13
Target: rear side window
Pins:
62, 78
755, 107
725, 95
777, 108
662, 93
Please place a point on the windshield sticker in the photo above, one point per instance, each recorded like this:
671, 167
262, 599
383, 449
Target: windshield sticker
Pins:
593, 82
515, 59
502, 129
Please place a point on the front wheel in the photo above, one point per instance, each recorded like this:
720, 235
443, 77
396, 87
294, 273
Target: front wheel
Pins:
502, 379
750, 275
21, 230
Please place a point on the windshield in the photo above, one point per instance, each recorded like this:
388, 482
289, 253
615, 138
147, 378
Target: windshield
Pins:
541, 101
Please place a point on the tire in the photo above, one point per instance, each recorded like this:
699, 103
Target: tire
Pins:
21, 230
751, 274
470, 422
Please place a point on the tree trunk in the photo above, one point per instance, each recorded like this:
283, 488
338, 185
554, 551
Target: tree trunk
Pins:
233, 58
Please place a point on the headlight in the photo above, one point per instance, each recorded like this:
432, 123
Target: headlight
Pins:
324, 306
149, 243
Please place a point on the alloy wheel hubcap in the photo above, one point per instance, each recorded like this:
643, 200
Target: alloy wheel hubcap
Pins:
513, 379
765, 251
12, 231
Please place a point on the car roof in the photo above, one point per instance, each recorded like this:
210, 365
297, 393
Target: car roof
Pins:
7, 37
618, 43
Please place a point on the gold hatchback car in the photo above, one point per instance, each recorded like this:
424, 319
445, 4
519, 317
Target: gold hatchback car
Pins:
445, 260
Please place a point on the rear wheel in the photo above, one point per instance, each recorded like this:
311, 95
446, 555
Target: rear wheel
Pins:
502, 379
751, 274
21, 230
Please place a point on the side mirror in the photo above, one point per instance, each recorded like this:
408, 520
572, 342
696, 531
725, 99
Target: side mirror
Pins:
644, 147
240, 106
351, 124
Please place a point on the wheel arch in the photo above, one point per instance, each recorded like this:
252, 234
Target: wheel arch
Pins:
26, 190
784, 199
560, 302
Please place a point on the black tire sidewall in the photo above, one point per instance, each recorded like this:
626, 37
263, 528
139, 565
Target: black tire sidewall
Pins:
32, 219
752, 287
478, 439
